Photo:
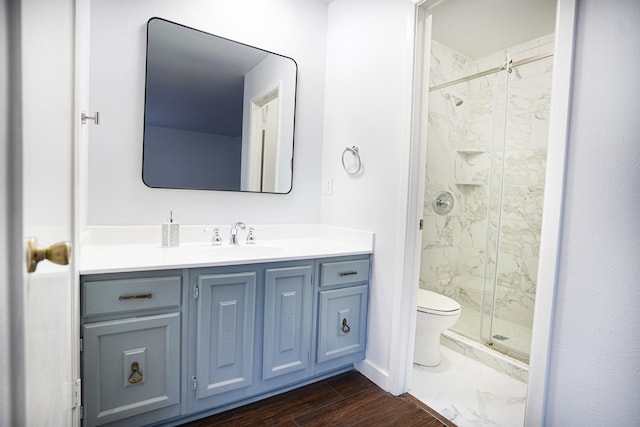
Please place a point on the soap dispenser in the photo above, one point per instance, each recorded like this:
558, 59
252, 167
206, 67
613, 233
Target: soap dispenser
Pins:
170, 232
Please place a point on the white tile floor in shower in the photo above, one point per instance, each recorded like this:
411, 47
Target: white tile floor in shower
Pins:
470, 393
518, 337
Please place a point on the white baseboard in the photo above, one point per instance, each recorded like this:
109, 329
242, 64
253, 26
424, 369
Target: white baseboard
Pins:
374, 373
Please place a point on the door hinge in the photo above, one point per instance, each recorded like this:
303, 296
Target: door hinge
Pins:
309, 354
196, 291
81, 345
195, 383
76, 393
421, 223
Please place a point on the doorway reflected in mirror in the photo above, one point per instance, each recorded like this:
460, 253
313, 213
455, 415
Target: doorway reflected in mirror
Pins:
219, 115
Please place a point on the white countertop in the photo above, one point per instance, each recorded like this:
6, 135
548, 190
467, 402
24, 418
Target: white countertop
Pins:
120, 249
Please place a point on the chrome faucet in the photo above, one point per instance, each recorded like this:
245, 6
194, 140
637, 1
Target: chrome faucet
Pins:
234, 231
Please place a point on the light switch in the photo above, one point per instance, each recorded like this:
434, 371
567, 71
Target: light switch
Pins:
328, 186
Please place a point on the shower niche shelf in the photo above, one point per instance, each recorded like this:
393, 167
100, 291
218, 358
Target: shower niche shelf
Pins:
471, 167
470, 151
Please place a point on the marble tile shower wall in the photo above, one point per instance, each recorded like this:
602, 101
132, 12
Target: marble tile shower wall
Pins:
466, 156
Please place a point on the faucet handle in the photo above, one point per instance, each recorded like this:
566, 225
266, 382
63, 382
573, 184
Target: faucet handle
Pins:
251, 238
216, 240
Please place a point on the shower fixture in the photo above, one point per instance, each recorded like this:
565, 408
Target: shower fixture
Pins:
457, 101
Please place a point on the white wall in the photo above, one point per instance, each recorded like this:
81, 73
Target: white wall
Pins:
594, 376
115, 193
368, 104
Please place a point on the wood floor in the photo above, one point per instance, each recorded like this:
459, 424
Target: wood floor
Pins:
348, 399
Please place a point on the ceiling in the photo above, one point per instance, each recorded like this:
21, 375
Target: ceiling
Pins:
477, 28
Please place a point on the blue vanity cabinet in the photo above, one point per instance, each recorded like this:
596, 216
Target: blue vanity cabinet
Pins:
342, 312
177, 345
131, 334
250, 331
222, 348
288, 305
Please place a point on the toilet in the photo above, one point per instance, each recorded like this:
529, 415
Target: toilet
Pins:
435, 314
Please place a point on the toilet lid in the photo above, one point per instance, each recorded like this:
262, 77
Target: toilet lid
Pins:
432, 302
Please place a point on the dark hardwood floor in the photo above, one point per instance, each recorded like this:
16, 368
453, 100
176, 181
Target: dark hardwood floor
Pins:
348, 399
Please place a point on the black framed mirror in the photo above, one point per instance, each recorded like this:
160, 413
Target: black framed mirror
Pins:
219, 114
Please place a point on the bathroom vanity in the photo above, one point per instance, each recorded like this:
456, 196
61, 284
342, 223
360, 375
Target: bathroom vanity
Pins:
186, 332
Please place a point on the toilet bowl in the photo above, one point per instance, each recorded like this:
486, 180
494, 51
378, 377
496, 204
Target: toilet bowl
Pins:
435, 314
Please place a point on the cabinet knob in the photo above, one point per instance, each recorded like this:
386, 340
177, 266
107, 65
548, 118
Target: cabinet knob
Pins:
345, 327
136, 374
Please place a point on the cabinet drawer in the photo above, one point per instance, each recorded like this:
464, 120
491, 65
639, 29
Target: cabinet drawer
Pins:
132, 294
337, 273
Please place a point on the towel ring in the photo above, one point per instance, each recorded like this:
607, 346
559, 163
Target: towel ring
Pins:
356, 155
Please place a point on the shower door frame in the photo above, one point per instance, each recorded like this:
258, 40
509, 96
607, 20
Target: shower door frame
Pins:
552, 205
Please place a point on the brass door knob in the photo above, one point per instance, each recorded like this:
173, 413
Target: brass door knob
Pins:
58, 253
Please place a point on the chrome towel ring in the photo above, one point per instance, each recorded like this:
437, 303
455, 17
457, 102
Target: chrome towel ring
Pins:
355, 153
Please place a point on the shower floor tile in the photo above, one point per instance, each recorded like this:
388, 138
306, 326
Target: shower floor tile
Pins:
469, 393
518, 336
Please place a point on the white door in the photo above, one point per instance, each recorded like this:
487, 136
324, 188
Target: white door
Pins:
270, 146
50, 353
263, 143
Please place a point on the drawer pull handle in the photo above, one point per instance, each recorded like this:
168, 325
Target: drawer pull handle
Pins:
136, 374
139, 296
348, 273
345, 328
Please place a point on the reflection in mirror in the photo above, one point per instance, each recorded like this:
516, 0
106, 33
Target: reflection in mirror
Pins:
218, 115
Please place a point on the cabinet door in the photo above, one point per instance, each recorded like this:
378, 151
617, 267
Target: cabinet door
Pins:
342, 322
287, 320
131, 367
225, 328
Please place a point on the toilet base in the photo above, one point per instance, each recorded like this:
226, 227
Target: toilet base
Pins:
435, 314
428, 330
427, 349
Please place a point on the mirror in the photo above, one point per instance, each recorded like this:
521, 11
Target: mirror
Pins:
219, 115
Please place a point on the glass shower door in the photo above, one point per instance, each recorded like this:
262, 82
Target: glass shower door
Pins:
515, 208
460, 140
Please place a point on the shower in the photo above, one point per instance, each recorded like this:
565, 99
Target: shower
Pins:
491, 156
456, 101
